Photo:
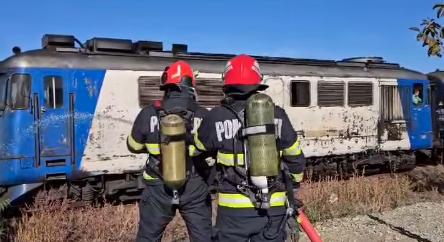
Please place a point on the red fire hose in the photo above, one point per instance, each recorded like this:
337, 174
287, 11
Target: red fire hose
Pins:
308, 227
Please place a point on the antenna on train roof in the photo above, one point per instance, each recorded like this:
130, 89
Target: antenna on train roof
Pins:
16, 50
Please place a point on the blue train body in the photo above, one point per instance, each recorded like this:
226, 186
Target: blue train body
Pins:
37, 141
418, 117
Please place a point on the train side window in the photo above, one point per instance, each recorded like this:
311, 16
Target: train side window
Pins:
19, 91
418, 94
360, 94
53, 91
300, 93
330, 94
3, 86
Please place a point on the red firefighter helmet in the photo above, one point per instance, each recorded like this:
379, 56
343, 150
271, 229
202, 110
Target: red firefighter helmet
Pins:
243, 70
178, 74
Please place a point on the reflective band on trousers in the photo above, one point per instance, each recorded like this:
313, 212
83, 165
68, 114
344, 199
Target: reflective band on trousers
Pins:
230, 200
293, 150
228, 159
134, 144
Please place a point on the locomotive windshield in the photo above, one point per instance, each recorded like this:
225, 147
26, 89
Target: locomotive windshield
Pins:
3, 85
20, 91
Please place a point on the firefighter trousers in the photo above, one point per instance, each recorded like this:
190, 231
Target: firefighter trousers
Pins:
156, 211
255, 228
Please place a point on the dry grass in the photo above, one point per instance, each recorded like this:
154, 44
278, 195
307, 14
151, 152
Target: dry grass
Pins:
335, 198
62, 221
330, 198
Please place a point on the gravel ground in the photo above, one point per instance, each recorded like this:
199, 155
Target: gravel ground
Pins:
418, 222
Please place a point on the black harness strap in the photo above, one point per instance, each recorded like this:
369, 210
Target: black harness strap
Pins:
172, 138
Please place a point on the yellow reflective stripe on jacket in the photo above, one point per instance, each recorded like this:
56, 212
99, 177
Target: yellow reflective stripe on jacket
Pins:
193, 151
153, 149
198, 143
293, 150
228, 159
277, 199
297, 177
148, 177
134, 144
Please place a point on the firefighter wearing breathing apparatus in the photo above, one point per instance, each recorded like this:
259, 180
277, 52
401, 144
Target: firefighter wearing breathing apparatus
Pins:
175, 171
257, 149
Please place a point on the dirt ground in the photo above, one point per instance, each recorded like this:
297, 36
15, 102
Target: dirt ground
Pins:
417, 222
422, 220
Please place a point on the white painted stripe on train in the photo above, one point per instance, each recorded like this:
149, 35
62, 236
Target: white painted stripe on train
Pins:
115, 113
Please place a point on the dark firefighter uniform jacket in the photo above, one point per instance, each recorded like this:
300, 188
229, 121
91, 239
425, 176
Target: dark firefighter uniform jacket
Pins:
145, 137
217, 134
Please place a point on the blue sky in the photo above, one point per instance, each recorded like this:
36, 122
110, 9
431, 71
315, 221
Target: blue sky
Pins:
294, 28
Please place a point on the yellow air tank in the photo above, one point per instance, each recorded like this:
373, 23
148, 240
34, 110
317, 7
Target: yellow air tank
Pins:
173, 151
262, 150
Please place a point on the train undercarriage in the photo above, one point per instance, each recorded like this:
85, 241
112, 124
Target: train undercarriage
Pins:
121, 187
128, 187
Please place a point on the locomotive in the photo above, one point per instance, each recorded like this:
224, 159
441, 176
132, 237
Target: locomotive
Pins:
67, 108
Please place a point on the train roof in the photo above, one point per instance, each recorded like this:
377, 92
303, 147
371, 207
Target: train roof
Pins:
154, 59
436, 75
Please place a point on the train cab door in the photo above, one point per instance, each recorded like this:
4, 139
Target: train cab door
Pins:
53, 108
275, 90
418, 113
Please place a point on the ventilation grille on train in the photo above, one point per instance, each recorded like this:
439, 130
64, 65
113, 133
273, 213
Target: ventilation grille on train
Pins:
360, 94
330, 94
149, 90
209, 91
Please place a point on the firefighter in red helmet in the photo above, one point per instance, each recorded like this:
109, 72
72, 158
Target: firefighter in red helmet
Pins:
175, 171
254, 157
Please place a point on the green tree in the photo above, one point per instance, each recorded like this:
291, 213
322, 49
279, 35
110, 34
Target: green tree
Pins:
431, 33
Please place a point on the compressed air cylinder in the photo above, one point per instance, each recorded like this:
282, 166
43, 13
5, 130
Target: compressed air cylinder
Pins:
262, 150
173, 151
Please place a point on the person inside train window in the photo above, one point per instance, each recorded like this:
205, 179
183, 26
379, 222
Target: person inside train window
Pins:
417, 95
